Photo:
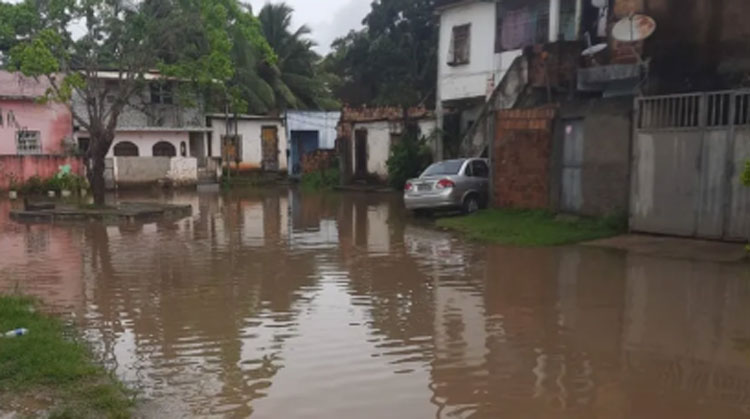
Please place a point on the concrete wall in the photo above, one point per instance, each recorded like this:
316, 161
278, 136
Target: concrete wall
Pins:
145, 140
605, 167
522, 158
250, 130
144, 171
22, 168
323, 122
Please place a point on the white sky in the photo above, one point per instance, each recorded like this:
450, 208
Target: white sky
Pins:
328, 19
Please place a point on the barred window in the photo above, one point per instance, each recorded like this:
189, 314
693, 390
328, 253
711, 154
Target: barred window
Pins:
460, 47
28, 142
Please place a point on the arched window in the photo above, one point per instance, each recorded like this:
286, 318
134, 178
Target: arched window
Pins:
164, 149
126, 149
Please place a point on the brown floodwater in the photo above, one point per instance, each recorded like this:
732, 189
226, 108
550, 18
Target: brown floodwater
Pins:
281, 304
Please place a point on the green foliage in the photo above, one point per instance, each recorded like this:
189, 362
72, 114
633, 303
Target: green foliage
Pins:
36, 185
408, 158
323, 179
392, 60
532, 228
46, 362
295, 79
745, 176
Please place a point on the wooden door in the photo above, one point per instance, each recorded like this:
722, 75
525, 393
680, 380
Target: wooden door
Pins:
270, 148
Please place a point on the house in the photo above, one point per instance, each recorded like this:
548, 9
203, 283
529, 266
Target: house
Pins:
26, 125
367, 135
309, 131
157, 136
34, 136
261, 141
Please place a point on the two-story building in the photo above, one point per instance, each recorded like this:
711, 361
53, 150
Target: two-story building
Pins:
481, 57
167, 134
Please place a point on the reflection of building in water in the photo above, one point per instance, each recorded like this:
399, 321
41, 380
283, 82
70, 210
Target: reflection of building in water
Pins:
41, 260
687, 332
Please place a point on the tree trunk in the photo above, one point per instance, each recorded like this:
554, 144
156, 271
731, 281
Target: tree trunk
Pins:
98, 149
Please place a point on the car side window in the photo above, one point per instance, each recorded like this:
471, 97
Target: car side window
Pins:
468, 171
480, 169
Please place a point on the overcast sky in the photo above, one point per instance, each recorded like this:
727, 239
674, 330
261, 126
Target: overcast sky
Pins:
328, 19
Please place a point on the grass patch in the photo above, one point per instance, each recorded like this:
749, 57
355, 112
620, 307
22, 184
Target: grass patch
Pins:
50, 363
533, 228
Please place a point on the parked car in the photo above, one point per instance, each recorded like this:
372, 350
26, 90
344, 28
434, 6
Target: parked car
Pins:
451, 184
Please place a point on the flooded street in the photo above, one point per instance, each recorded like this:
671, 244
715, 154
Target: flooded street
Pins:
282, 304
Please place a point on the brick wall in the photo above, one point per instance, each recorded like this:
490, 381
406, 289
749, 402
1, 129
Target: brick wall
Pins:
522, 151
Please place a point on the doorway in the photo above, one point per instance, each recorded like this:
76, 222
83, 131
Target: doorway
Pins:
360, 153
270, 148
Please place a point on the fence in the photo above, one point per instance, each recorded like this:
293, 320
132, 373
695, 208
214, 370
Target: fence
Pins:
19, 169
688, 153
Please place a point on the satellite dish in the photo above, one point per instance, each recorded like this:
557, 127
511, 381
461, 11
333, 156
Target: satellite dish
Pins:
593, 50
634, 28
600, 4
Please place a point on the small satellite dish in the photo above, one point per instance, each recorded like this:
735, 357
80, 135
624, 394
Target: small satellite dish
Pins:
634, 28
593, 50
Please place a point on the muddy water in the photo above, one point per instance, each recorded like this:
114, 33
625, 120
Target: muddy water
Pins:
278, 304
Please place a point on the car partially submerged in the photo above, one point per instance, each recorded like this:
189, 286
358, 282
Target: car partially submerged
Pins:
461, 184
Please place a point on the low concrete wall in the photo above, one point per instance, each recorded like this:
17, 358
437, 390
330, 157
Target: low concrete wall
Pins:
145, 171
22, 168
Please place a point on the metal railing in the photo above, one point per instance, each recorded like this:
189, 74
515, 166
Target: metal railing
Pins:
694, 110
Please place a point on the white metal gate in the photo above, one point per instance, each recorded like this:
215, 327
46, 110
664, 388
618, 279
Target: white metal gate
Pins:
688, 153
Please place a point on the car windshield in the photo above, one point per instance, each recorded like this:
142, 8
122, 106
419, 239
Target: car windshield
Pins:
448, 167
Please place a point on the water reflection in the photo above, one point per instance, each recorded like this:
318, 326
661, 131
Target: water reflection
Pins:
279, 303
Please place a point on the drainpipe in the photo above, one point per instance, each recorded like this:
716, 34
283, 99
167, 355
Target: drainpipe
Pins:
554, 20
579, 19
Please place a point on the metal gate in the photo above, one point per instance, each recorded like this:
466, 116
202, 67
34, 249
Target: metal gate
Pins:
688, 153
572, 192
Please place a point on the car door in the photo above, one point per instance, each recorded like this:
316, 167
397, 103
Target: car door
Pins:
480, 175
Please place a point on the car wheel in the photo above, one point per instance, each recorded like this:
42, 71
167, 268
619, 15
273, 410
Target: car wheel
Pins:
471, 204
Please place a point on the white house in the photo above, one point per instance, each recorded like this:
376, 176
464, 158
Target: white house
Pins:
262, 141
479, 42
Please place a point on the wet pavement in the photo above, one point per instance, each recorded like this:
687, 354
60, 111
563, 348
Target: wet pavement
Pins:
280, 304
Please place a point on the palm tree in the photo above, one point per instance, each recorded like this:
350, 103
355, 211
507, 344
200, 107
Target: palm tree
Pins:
295, 78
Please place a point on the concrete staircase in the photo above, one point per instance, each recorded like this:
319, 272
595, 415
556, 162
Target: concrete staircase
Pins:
505, 96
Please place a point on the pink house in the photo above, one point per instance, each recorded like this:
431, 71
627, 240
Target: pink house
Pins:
28, 127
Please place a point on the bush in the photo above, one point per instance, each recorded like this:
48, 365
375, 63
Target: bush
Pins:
323, 179
409, 157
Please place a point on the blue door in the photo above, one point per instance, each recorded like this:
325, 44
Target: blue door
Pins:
303, 142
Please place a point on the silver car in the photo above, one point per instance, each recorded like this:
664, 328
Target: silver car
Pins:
451, 184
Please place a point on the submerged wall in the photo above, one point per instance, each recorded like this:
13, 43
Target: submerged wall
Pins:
22, 168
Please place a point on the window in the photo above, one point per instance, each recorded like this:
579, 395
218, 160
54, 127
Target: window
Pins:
28, 142
164, 149
480, 169
448, 167
161, 93
125, 149
83, 145
460, 47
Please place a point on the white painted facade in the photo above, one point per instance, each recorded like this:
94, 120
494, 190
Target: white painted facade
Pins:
485, 67
145, 141
249, 127
379, 143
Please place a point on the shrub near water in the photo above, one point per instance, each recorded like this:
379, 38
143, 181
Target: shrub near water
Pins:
409, 157
47, 363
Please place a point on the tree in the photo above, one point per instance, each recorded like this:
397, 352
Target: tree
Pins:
295, 79
392, 60
184, 38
